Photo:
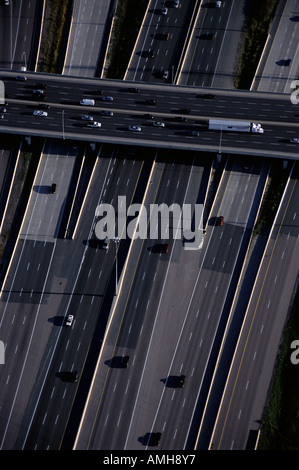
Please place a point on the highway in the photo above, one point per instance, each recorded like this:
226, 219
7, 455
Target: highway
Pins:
275, 112
254, 358
160, 307
172, 309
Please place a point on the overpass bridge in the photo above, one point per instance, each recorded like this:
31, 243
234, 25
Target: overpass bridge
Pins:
183, 109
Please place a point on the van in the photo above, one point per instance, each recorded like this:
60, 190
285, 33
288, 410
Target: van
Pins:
87, 102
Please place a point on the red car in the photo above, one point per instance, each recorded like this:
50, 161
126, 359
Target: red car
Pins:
220, 220
165, 248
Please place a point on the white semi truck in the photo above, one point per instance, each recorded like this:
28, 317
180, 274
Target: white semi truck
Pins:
235, 126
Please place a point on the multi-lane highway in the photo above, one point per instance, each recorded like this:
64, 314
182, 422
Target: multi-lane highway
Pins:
63, 386
276, 113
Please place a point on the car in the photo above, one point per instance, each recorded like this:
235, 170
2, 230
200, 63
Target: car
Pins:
164, 11
135, 128
106, 113
133, 90
107, 98
2, 109
220, 221
162, 36
158, 124
175, 3
218, 4
193, 133
148, 116
208, 36
85, 117
1, 116
184, 111
106, 243
150, 102
98, 92
21, 77
154, 438
44, 106
209, 96
38, 112
70, 376
180, 119
41, 86
125, 362
6, 3
39, 91
69, 320
181, 381
165, 248
150, 54
94, 124
53, 188
165, 74
294, 140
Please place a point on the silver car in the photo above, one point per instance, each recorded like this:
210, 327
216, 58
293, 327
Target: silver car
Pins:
85, 117
294, 140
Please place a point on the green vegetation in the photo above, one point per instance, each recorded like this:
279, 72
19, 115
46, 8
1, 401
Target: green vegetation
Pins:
258, 20
129, 16
52, 46
281, 424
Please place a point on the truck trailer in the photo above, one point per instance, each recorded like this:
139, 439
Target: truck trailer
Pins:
235, 126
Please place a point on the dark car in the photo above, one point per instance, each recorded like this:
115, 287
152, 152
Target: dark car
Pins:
181, 381
220, 221
44, 106
53, 188
162, 36
151, 102
184, 111
125, 362
133, 90
148, 116
180, 119
209, 96
154, 438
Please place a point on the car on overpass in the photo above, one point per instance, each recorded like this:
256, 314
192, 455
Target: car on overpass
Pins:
94, 124
69, 320
38, 112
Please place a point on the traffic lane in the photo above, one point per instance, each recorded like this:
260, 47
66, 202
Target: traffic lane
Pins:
255, 357
72, 120
141, 66
71, 94
209, 299
86, 301
140, 303
205, 45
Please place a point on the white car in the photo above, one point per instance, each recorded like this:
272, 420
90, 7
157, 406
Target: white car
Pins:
218, 4
165, 74
158, 124
164, 11
135, 128
69, 320
85, 117
38, 112
294, 140
38, 92
94, 124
